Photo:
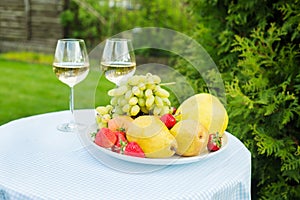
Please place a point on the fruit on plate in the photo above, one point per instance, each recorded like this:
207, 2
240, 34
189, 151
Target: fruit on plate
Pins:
152, 136
133, 149
103, 115
169, 120
140, 94
119, 123
120, 143
191, 137
206, 109
214, 142
105, 138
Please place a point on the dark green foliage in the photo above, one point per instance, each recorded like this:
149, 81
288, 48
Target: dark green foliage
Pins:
94, 21
258, 53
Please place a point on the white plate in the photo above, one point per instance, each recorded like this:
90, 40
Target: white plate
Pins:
174, 160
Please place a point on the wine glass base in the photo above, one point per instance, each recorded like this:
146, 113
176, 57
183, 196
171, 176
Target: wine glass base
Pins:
71, 127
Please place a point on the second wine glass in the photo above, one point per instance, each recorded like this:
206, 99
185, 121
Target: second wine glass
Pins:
118, 60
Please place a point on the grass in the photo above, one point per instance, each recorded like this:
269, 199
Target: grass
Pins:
30, 88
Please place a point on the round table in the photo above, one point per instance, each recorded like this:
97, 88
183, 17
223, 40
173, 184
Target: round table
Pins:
39, 162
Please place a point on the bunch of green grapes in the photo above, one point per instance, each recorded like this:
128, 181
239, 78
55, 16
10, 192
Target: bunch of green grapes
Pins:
140, 94
103, 115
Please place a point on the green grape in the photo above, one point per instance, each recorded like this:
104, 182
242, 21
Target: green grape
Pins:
136, 90
140, 93
148, 93
165, 110
118, 110
161, 92
149, 81
101, 110
157, 110
141, 102
105, 118
126, 108
122, 89
128, 94
134, 80
109, 108
157, 87
158, 101
156, 79
166, 101
102, 125
142, 79
151, 108
122, 102
114, 101
134, 110
142, 86
98, 119
150, 86
117, 91
112, 92
149, 101
144, 109
114, 115
133, 101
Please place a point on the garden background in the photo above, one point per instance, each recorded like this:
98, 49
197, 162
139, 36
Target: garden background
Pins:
255, 44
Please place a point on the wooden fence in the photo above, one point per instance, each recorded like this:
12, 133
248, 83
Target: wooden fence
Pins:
30, 25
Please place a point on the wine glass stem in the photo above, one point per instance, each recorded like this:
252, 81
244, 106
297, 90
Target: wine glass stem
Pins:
72, 102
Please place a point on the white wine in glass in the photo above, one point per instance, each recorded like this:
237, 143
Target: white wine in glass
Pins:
118, 60
71, 66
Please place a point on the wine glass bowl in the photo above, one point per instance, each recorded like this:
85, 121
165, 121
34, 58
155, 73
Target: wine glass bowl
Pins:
71, 66
69, 73
118, 60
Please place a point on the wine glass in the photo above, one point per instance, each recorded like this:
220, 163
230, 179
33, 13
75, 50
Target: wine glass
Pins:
71, 66
118, 60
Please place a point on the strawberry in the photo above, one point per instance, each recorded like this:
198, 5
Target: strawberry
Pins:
121, 142
133, 149
105, 138
214, 142
169, 120
121, 137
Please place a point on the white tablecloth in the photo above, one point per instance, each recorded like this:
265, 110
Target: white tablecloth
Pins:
39, 162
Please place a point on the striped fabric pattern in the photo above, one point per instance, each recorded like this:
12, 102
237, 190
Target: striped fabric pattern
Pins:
39, 162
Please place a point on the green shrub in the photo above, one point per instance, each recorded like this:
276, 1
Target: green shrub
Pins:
256, 46
265, 93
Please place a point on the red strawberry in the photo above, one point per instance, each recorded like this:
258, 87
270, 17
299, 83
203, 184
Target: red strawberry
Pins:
105, 138
214, 142
121, 142
169, 120
133, 149
121, 137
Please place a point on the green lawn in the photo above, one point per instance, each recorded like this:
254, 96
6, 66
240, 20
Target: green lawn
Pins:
28, 89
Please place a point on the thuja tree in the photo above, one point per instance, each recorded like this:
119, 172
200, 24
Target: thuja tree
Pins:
256, 47
264, 92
